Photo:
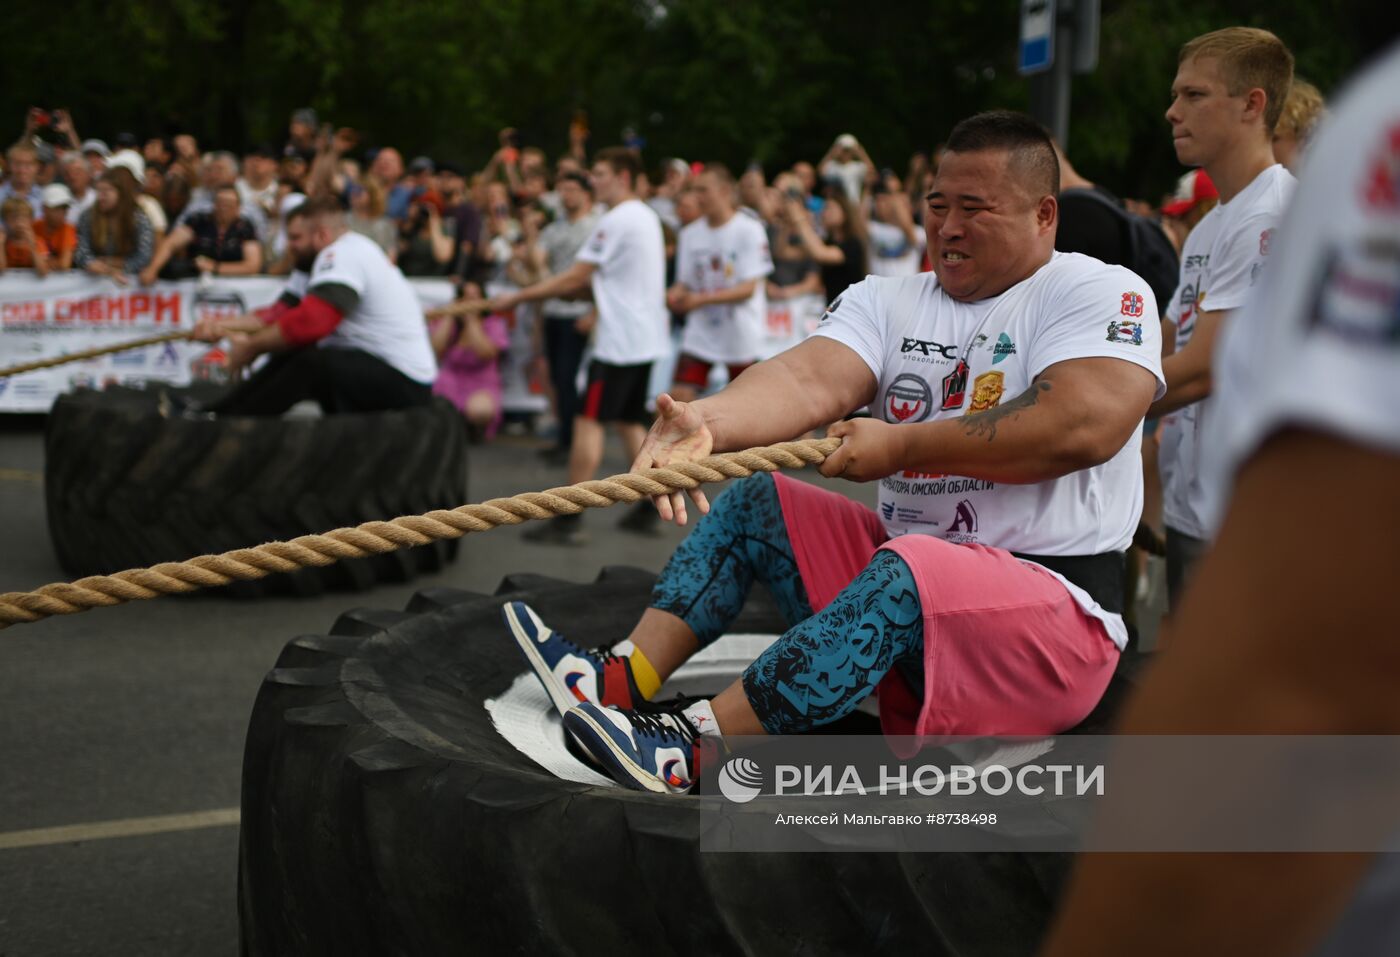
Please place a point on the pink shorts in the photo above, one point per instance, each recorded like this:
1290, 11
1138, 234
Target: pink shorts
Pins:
1007, 650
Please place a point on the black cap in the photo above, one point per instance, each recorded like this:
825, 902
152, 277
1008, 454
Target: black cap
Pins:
126, 141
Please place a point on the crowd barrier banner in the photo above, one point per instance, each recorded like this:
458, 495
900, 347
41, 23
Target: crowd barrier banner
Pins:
62, 313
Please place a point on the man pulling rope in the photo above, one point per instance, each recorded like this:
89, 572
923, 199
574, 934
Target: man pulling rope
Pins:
983, 598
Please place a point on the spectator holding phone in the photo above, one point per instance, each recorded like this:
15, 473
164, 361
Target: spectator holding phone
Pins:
795, 272
499, 234
896, 244
842, 255
848, 163
115, 238
426, 240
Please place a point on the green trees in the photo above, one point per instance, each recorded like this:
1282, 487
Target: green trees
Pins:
725, 79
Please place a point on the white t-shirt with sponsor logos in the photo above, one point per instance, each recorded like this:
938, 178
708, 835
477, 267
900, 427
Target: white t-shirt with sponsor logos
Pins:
1219, 265
710, 259
1319, 345
388, 320
629, 285
937, 358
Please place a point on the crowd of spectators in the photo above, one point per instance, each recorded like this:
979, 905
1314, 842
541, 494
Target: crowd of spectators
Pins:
139, 210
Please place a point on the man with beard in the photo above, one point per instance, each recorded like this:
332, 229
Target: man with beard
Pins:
347, 331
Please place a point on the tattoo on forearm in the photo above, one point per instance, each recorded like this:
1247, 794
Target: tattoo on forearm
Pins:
985, 423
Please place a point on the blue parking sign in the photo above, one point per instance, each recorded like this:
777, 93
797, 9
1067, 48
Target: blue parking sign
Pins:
1037, 50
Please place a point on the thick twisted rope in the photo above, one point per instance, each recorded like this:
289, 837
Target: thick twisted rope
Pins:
93, 353
375, 538
452, 309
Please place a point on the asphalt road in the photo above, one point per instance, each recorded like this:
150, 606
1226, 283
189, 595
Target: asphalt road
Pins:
121, 729
117, 716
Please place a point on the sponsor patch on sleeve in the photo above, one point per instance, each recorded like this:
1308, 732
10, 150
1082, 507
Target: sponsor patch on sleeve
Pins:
1125, 332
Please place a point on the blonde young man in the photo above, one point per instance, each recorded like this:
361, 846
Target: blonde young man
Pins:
1228, 94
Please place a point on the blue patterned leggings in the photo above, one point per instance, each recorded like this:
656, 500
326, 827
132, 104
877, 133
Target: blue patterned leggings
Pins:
825, 664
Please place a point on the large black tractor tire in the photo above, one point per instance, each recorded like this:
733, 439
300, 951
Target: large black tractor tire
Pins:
384, 813
126, 487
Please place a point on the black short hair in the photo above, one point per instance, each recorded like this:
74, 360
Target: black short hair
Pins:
1032, 154
621, 160
579, 179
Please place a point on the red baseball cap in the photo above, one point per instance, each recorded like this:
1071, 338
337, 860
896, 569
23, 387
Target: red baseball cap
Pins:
1191, 190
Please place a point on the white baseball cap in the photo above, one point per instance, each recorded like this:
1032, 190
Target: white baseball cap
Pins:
96, 146
132, 160
56, 194
846, 140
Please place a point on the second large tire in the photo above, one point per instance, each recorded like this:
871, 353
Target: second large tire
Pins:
126, 487
386, 812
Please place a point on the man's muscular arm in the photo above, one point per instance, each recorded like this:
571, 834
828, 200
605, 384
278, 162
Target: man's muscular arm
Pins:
812, 384
1076, 414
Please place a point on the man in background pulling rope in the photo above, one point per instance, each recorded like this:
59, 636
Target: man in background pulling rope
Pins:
347, 331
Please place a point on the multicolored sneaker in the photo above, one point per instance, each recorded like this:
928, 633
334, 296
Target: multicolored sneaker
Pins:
569, 673
654, 750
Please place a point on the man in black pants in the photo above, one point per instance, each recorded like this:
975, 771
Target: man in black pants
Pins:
567, 322
348, 330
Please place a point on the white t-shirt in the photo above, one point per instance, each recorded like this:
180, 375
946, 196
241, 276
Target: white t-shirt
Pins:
937, 358
388, 320
1319, 348
891, 252
561, 240
629, 285
1219, 264
1319, 345
709, 259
